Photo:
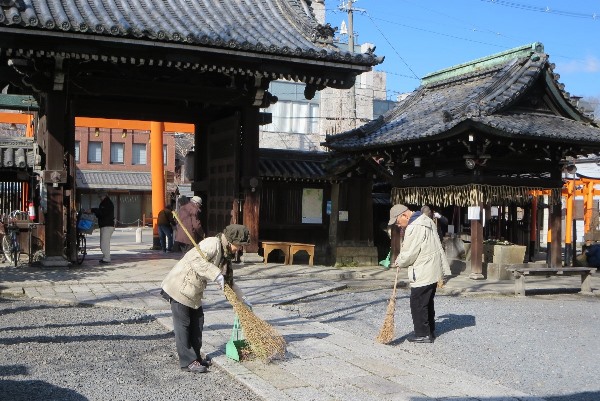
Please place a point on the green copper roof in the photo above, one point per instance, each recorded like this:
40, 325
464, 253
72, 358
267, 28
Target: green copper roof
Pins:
18, 102
483, 63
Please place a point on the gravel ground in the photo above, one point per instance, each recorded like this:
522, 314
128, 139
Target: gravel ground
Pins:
546, 346
60, 352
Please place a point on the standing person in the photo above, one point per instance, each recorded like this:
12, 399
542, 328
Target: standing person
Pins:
422, 253
189, 214
165, 223
105, 213
184, 286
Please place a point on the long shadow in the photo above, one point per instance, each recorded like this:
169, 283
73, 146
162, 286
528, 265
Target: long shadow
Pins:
37, 390
444, 324
583, 396
449, 322
81, 338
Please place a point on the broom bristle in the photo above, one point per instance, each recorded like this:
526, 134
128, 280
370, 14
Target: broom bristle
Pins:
264, 341
386, 334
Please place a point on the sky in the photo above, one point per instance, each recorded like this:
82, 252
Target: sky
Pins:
418, 37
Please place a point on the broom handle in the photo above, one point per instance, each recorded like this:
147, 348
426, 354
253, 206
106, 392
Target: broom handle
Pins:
189, 235
396, 281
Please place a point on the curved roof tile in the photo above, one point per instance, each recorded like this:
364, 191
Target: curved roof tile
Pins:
284, 27
481, 95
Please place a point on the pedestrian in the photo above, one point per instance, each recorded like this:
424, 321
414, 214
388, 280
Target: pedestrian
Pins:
105, 213
165, 223
184, 285
425, 259
189, 215
440, 221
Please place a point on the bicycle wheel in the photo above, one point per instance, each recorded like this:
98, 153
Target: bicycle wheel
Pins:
81, 248
16, 250
6, 249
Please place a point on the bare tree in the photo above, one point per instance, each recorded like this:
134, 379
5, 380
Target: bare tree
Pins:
184, 143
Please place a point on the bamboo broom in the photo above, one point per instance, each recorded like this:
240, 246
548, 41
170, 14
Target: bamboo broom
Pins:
264, 341
386, 333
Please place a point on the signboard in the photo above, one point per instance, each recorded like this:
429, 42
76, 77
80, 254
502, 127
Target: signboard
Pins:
312, 206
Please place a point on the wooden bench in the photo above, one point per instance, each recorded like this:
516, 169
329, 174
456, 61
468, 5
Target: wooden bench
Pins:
269, 246
289, 249
521, 272
309, 248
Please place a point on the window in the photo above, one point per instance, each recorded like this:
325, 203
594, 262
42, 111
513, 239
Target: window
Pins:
95, 152
165, 155
294, 117
76, 151
139, 153
116, 153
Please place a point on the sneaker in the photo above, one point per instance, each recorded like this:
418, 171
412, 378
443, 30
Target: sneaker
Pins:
103, 262
206, 362
423, 339
195, 367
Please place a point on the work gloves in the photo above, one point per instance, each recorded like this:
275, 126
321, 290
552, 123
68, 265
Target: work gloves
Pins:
221, 281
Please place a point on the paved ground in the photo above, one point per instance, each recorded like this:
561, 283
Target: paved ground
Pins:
324, 361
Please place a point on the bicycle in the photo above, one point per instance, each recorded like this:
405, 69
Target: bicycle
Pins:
10, 242
85, 225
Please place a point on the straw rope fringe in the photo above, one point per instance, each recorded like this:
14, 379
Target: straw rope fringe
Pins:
264, 341
469, 195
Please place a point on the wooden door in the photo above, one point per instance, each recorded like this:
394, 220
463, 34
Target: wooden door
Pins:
222, 174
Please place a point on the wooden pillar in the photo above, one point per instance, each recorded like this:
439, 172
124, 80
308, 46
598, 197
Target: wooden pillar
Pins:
334, 220
157, 171
477, 247
55, 123
250, 176
533, 225
556, 223
588, 201
570, 203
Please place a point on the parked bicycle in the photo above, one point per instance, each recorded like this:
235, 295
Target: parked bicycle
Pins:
11, 245
85, 225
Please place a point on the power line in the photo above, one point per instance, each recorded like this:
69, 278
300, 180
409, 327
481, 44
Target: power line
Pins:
545, 10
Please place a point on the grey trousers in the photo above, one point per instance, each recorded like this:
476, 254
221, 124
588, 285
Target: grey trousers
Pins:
187, 325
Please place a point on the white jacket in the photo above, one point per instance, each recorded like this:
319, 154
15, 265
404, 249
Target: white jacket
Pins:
422, 253
186, 281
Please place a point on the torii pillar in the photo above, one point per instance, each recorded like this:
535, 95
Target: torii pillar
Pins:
158, 177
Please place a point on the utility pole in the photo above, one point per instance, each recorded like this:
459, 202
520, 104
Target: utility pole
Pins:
348, 6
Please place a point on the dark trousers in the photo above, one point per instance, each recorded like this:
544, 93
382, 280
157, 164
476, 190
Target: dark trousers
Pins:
422, 309
187, 325
165, 235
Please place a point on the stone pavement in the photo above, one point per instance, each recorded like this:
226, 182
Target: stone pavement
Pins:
323, 363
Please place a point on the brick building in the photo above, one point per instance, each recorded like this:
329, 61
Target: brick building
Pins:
118, 161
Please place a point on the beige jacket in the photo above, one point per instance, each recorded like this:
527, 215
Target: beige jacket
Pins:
186, 281
422, 253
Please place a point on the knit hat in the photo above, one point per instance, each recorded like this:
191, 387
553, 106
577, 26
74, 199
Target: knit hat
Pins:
396, 211
197, 199
237, 234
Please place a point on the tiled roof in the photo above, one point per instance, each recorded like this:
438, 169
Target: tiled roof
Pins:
292, 165
484, 93
116, 180
277, 27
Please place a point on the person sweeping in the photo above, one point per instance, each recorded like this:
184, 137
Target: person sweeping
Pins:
184, 286
423, 255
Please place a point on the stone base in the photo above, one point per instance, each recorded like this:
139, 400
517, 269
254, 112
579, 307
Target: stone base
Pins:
55, 261
497, 271
476, 276
251, 258
355, 256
